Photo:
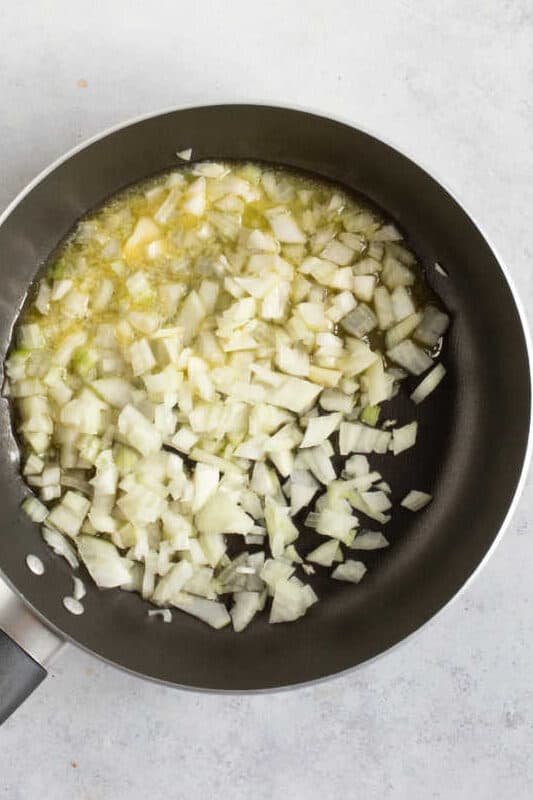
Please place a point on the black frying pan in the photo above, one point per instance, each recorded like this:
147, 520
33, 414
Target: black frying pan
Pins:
472, 443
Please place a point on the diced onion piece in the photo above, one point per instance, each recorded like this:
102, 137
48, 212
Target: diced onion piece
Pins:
185, 155
115, 391
31, 336
33, 466
195, 198
145, 231
357, 438
337, 524
324, 376
403, 438
68, 515
60, 546
319, 463
383, 308
411, 357
416, 500
260, 242
293, 360
106, 567
221, 514
376, 383
357, 466
387, 233
141, 357
191, 315
245, 607
291, 601
320, 428
35, 510
433, 325
284, 226
275, 570
170, 585
335, 400
324, 554
34, 564
206, 478
184, 440
73, 606
211, 612
168, 207
210, 169
428, 384
338, 252
79, 590
42, 301
351, 571
394, 273
369, 540
376, 500
360, 321
363, 287
281, 530
295, 395
402, 303
60, 289
138, 431
401, 330
275, 302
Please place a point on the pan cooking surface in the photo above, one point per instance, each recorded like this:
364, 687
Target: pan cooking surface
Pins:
472, 437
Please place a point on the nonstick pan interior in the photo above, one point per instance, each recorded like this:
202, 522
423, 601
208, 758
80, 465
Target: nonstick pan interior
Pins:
473, 431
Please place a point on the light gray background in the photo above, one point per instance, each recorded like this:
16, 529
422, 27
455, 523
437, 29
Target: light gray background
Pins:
450, 713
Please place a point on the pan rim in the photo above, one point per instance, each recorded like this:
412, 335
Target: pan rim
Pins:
526, 460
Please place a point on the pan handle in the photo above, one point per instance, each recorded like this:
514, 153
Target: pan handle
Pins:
26, 644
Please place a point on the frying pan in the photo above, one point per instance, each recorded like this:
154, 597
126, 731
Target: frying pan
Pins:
472, 445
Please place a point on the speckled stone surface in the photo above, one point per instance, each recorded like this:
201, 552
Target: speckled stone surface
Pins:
449, 714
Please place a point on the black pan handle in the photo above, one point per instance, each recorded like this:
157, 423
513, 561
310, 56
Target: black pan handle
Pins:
25, 645
19, 676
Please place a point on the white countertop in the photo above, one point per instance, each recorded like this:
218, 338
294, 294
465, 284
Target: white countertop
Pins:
450, 713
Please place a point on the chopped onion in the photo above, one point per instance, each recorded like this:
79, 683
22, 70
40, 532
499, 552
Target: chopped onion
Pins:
401, 330
428, 384
416, 500
35, 510
245, 607
79, 590
220, 514
320, 428
403, 438
433, 325
211, 612
60, 546
369, 540
351, 571
360, 321
252, 322
73, 606
325, 554
384, 308
411, 357
284, 226
34, 564
105, 565
291, 600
